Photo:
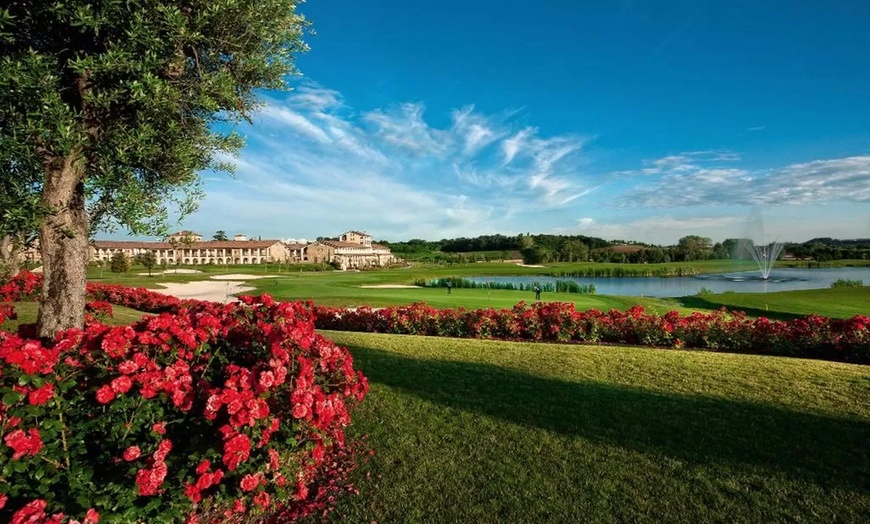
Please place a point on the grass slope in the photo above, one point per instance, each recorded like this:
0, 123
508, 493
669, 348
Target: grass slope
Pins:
487, 431
339, 288
837, 303
26, 311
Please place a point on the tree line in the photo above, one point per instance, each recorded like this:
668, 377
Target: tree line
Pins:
538, 249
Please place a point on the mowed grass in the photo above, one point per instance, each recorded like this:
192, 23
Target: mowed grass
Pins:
347, 290
340, 288
27, 311
488, 431
837, 302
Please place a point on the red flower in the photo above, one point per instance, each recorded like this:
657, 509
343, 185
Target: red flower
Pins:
300, 411
41, 395
105, 394
262, 499
192, 492
162, 450
236, 450
159, 428
32, 513
204, 466
149, 480
24, 443
122, 384
132, 453
128, 367
249, 482
91, 517
3, 499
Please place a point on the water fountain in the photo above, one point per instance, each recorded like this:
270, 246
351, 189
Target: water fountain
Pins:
765, 256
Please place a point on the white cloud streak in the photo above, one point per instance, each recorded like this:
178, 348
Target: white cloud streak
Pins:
391, 171
682, 180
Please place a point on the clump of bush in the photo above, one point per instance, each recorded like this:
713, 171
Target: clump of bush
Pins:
559, 286
845, 282
845, 340
216, 412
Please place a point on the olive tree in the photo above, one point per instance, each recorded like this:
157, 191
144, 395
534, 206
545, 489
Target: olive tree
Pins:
112, 108
119, 263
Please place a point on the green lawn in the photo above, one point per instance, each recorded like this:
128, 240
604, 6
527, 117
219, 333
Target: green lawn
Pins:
339, 288
838, 303
486, 431
346, 290
27, 315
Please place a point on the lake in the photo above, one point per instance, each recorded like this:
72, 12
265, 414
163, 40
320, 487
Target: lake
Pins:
785, 279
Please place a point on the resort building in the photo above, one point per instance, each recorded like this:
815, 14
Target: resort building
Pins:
196, 252
353, 250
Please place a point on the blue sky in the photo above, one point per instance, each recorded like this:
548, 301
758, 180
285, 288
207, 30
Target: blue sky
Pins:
621, 119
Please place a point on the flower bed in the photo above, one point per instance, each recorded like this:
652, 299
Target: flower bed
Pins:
810, 337
206, 413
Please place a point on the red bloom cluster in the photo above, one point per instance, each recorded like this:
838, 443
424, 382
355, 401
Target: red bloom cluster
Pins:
7, 312
23, 286
810, 337
28, 355
22, 443
151, 399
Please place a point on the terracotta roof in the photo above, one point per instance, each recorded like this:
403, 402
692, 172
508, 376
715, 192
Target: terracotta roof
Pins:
296, 246
127, 244
361, 233
336, 244
211, 244
231, 244
379, 246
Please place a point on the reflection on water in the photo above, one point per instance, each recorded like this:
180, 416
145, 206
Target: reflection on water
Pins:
747, 282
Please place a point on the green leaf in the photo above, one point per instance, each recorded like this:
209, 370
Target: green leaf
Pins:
12, 397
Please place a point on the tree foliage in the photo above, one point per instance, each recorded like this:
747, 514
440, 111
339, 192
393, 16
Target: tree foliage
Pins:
110, 109
147, 260
119, 263
220, 235
136, 87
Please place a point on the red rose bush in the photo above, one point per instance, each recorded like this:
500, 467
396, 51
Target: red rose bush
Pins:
207, 413
846, 340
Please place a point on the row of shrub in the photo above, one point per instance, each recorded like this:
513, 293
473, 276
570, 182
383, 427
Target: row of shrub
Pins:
621, 271
559, 286
845, 282
202, 413
809, 337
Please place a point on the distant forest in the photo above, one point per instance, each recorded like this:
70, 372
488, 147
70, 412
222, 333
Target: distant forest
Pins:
535, 249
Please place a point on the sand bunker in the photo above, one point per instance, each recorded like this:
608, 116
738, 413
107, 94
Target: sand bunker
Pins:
529, 265
204, 290
237, 276
175, 272
390, 286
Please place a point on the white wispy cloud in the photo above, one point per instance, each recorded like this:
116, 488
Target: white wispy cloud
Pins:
315, 165
297, 122
390, 170
403, 126
475, 130
686, 180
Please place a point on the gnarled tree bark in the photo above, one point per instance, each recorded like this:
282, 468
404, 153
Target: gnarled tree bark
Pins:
9, 256
63, 240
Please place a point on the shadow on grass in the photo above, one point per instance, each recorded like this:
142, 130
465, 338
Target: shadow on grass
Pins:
701, 303
825, 450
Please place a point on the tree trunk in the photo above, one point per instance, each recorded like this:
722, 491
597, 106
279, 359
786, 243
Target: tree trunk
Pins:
63, 240
10, 257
